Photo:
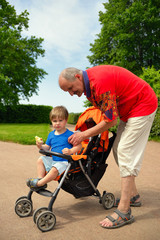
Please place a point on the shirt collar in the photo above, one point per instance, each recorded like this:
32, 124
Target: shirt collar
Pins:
86, 83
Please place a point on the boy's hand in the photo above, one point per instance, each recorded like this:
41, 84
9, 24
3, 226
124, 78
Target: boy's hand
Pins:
67, 151
39, 142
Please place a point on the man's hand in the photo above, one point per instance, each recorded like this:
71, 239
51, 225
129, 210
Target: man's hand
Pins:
76, 138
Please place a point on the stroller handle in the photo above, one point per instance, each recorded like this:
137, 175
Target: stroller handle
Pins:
68, 157
49, 153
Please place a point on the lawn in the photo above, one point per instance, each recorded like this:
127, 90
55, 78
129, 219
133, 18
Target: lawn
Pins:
23, 133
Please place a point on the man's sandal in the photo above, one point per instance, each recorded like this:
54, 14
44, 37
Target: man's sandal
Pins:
122, 219
32, 184
133, 202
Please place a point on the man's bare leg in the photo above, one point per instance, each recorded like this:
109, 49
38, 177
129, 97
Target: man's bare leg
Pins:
127, 186
134, 191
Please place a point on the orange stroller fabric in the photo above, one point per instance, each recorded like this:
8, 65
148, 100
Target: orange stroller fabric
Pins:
85, 120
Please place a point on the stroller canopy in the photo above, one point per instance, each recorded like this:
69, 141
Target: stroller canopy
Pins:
89, 118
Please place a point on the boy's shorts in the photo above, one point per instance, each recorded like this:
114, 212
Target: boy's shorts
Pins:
49, 163
130, 143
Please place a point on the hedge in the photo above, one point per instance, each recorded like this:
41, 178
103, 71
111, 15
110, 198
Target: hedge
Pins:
152, 77
155, 130
40, 114
30, 114
25, 114
73, 118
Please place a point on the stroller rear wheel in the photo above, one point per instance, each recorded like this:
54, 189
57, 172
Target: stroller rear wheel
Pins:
38, 212
23, 207
108, 200
46, 221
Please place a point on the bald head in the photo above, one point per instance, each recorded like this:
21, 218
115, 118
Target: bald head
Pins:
71, 80
69, 73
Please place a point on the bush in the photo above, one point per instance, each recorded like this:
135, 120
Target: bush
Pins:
152, 77
155, 130
30, 114
25, 114
73, 118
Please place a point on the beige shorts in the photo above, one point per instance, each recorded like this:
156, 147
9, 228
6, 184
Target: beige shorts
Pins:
130, 143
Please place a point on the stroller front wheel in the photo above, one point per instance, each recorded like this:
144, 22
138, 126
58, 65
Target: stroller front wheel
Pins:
108, 200
38, 212
46, 221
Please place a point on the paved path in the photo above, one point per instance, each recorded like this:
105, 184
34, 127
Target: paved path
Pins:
76, 219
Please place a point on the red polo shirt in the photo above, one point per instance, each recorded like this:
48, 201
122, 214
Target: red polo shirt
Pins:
118, 92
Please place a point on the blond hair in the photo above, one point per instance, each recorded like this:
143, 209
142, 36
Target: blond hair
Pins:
59, 112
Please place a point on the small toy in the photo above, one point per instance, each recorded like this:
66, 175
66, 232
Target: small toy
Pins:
38, 139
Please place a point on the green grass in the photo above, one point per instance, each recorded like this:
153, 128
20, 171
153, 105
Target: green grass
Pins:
23, 133
155, 139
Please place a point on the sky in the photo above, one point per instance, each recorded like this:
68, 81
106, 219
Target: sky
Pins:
68, 27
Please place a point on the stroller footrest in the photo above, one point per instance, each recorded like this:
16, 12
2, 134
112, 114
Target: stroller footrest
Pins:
45, 193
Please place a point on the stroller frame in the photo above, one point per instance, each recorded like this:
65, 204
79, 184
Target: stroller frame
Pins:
44, 217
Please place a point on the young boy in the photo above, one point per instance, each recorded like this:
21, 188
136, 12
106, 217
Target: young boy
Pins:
57, 141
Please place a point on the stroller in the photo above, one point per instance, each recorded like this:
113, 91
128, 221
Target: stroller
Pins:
81, 177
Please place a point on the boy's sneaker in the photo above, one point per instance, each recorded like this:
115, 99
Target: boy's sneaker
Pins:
32, 184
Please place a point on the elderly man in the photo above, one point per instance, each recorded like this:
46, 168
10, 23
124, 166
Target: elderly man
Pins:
117, 93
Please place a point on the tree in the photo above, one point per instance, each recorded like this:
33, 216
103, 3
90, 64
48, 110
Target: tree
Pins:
87, 104
130, 35
19, 75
